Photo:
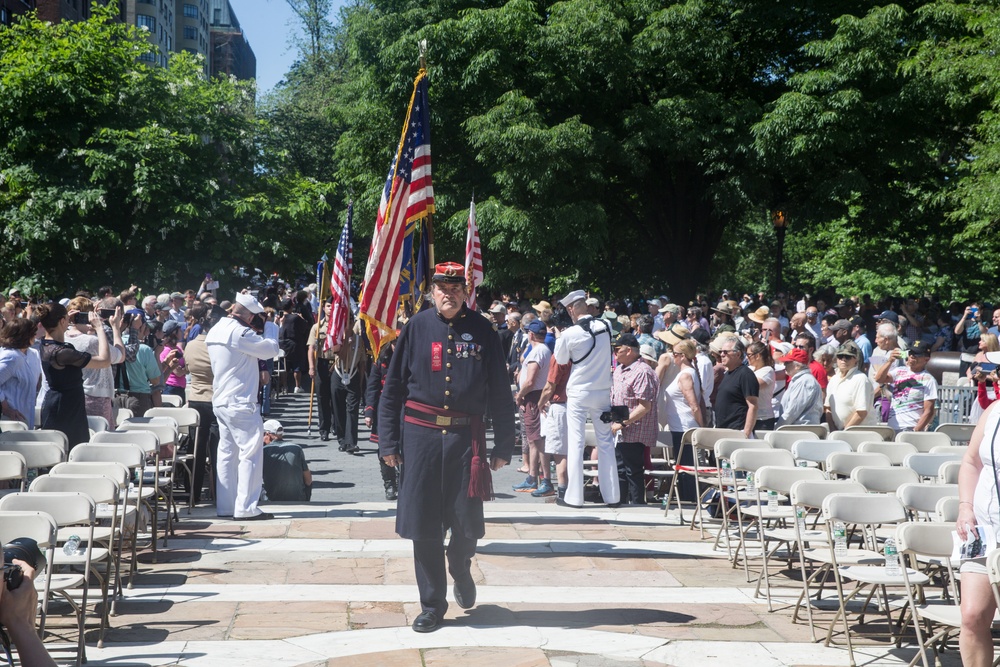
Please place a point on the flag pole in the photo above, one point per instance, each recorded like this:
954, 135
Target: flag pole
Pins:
422, 44
315, 353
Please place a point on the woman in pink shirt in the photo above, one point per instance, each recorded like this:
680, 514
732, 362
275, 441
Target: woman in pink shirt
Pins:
172, 360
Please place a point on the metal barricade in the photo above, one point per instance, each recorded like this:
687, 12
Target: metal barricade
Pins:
955, 404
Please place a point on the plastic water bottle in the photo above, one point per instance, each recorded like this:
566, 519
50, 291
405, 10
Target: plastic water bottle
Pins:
891, 558
728, 479
751, 485
72, 545
772, 501
800, 520
839, 539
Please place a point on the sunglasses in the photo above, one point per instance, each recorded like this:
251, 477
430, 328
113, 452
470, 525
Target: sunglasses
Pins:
846, 357
727, 352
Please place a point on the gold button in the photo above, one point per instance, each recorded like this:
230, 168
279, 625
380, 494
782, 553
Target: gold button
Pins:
446, 407
447, 393
450, 337
449, 351
444, 431
449, 364
447, 379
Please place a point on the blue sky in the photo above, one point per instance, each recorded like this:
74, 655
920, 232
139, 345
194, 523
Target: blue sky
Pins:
268, 26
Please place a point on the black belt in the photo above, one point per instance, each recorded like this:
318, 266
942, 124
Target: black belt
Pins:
437, 420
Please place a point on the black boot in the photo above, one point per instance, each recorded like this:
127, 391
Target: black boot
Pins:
390, 491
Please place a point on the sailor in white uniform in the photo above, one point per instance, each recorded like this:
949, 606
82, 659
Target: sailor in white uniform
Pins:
234, 350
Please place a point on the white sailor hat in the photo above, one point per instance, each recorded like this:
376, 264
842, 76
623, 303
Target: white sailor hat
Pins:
249, 302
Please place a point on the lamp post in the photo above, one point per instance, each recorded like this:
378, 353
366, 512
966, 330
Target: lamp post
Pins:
780, 222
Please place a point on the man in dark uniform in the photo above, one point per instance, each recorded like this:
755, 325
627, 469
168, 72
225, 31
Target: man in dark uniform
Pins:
446, 372
373, 395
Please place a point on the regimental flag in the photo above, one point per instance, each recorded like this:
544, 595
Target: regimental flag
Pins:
408, 196
340, 284
473, 257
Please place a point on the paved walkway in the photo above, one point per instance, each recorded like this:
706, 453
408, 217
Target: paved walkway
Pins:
329, 583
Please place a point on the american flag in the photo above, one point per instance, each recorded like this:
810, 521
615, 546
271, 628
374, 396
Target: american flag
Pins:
408, 195
473, 257
340, 284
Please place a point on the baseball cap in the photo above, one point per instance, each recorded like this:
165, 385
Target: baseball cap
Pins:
888, 315
857, 321
536, 327
498, 308
593, 302
170, 326
920, 349
273, 426
798, 355
626, 340
672, 308
841, 325
851, 348
655, 302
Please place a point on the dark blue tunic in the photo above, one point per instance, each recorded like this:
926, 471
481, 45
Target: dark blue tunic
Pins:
470, 377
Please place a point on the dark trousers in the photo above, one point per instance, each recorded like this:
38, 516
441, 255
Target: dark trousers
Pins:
428, 564
324, 395
346, 402
688, 490
208, 447
631, 459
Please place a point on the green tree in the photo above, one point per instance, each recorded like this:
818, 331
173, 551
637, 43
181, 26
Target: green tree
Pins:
607, 142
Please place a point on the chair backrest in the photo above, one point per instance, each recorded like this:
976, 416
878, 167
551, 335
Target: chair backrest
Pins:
863, 508
923, 538
785, 439
885, 432
812, 493
959, 433
882, 479
12, 466
43, 435
11, 425
67, 508
121, 414
750, 460
144, 439
855, 438
165, 428
38, 525
819, 431
993, 570
844, 463
781, 478
169, 400
924, 441
951, 449
725, 447
947, 509
924, 497
98, 488
818, 451
896, 451
113, 470
705, 438
929, 465
185, 417
97, 423
36, 454
129, 455
948, 472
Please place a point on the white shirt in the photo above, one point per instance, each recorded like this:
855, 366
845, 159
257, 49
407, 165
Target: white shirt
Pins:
233, 349
706, 376
845, 395
592, 373
270, 330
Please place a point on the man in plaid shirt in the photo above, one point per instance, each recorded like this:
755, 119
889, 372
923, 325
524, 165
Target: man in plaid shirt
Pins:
635, 386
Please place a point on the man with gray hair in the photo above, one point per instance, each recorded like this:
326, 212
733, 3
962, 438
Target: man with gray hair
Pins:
234, 351
886, 340
587, 345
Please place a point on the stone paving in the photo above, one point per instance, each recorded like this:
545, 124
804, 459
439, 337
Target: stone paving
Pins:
329, 583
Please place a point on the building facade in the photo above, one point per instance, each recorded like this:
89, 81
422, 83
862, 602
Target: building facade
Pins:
231, 52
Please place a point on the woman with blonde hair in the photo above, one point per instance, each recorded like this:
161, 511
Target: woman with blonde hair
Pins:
683, 401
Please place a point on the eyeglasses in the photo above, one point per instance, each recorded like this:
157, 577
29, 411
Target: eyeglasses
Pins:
801, 347
727, 352
846, 357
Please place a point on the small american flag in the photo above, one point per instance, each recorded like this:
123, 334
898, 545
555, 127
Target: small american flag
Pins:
408, 195
473, 257
340, 284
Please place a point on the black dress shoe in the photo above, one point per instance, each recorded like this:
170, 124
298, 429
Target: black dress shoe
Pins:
263, 516
427, 621
324, 436
465, 593
390, 493
563, 503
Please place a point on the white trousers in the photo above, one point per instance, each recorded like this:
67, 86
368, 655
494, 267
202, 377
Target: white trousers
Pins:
578, 408
241, 460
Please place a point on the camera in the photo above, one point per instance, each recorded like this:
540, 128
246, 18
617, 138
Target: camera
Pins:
25, 549
81, 318
617, 413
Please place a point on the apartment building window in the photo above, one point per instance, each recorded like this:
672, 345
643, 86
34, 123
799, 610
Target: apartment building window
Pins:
4, 16
148, 57
190, 32
170, 43
190, 11
144, 21
147, 2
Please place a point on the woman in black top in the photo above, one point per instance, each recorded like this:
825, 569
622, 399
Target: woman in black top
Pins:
64, 408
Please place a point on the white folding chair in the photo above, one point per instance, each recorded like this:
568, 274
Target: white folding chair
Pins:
121, 414
924, 441
661, 461
168, 400
959, 434
925, 540
884, 431
921, 499
842, 464
699, 440
97, 423
40, 527
36, 454
44, 436
74, 510
13, 467
11, 425
818, 451
748, 461
866, 512
785, 439
896, 451
819, 431
855, 437
166, 431
723, 450
946, 510
948, 472
883, 480
188, 424
928, 466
